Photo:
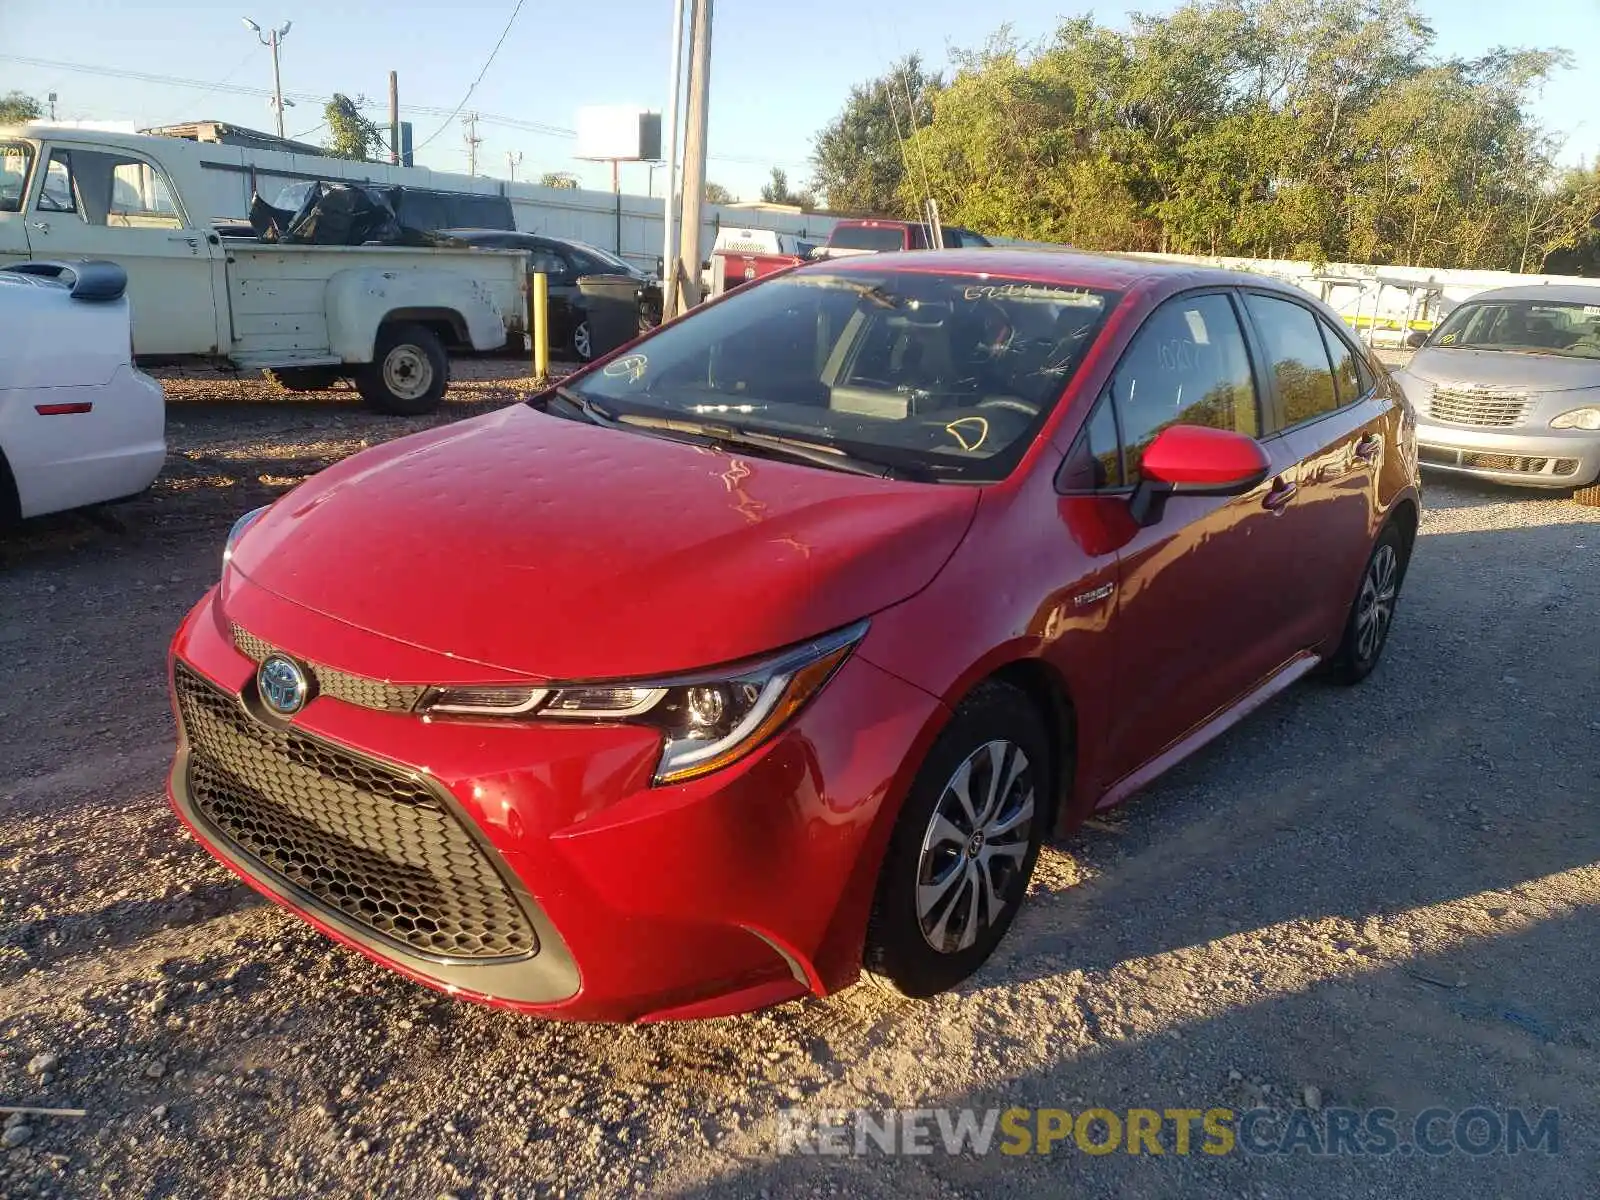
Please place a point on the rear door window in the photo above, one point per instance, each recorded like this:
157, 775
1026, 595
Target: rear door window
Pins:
1187, 365
1296, 356
1350, 380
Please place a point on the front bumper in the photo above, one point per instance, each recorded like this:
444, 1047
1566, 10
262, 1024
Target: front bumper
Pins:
1547, 459
738, 890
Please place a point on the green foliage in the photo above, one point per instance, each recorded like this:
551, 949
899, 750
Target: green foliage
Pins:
1324, 130
351, 134
776, 191
18, 108
715, 193
559, 179
860, 159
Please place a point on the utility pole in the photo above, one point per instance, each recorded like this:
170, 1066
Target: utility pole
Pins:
473, 142
694, 150
394, 117
669, 252
513, 161
273, 39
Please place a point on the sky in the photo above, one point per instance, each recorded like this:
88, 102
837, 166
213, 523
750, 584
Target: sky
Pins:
779, 72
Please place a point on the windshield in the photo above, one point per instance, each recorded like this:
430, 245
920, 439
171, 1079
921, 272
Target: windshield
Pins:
608, 259
1569, 330
946, 376
867, 237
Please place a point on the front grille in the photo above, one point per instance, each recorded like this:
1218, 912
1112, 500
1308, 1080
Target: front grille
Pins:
340, 685
1472, 406
369, 842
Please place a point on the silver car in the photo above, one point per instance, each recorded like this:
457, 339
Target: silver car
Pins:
1508, 388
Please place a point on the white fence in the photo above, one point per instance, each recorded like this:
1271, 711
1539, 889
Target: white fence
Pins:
628, 225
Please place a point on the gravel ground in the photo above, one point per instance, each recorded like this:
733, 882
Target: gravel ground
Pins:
1378, 897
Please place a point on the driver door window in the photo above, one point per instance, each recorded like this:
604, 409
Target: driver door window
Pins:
109, 190
1187, 365
15, 159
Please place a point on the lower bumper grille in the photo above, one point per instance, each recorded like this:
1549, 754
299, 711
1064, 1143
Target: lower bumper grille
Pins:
1513, 464
376, 846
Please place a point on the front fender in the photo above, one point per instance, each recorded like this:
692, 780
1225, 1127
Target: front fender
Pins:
361, 299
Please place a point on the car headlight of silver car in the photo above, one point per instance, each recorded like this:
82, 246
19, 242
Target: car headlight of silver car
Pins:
707, 720
1578, 418
238, 531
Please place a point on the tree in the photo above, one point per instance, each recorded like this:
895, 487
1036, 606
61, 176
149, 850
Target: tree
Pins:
351, 134
559, 179
1324, 130
777, 191
860, 157
715, 193
18, 108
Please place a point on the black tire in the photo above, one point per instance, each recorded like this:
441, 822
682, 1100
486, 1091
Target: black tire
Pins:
305, 379
898, 951
408, 373
10, 498
1358, 653
1589, 496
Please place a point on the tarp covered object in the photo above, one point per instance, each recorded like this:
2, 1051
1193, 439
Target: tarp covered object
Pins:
339, 214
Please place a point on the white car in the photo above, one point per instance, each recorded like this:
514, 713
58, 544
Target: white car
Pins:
79, 423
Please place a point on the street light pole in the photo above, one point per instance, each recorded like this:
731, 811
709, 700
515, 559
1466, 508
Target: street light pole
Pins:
272, 40
669, 254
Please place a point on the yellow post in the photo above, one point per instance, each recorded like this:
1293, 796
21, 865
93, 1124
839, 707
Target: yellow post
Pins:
539, 324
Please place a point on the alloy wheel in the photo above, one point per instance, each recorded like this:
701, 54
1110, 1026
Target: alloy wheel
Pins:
1375, 609
580, 341
975, 846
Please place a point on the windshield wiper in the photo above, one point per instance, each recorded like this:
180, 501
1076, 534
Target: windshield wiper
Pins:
585, 407
818, 454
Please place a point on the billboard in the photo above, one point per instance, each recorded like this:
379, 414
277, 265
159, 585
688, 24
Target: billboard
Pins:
619, 134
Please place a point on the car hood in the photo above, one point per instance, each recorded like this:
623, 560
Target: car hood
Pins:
1498, 368
561, 550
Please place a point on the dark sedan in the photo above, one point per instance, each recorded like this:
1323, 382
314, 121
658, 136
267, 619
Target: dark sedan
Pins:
567, 263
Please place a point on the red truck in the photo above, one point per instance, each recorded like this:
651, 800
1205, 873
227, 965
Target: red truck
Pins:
873, 236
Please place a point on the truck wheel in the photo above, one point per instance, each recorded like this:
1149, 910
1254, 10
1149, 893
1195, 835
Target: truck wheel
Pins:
408, 372
305, 379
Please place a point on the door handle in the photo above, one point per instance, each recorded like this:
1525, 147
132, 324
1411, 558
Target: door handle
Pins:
41, 226
1282, 491
1368, 448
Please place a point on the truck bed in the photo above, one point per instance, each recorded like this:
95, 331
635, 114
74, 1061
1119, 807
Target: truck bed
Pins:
278, 296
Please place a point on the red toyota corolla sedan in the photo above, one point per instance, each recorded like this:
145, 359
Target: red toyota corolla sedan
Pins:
771, 648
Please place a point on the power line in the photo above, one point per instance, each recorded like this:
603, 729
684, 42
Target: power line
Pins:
487, 64
538, 128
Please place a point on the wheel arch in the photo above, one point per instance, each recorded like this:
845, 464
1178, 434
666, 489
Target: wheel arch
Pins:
446, 323
1047, 691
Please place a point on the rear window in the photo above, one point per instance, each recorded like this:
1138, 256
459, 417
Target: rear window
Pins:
949, 376
868, 237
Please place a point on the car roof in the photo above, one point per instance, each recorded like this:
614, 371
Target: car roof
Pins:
1554, 293
1074, 268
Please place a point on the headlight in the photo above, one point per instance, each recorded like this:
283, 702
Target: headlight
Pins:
1578, 418
707, 721
237, 532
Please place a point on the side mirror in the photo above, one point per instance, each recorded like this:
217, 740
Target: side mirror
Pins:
1414, 339
1193, 460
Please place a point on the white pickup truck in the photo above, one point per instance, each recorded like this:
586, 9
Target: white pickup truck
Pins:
308, 315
